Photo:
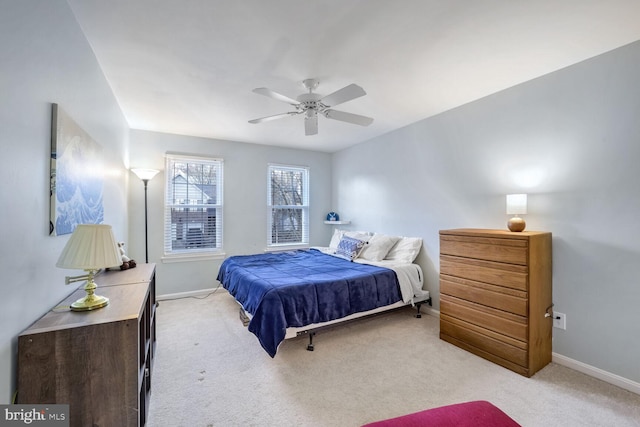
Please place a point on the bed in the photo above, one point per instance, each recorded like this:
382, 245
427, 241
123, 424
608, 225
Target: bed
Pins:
289, 293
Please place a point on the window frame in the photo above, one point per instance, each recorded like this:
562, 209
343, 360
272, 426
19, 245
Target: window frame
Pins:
304, 207
193, 253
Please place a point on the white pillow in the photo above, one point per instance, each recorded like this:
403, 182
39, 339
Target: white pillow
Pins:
406, 250
378, 247
335, 239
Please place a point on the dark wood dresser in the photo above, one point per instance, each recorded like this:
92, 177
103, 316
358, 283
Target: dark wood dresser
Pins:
496, 295
99, 362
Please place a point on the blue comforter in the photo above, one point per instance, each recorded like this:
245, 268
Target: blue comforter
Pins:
298, 288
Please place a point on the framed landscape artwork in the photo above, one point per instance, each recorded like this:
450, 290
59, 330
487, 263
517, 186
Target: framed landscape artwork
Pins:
76, 176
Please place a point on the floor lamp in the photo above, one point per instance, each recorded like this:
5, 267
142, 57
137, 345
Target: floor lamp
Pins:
145, 175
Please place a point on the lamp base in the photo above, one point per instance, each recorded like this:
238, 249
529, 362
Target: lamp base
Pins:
90, 302
516, 224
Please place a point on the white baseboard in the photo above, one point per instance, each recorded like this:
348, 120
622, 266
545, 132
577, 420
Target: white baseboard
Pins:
592, 371
431, 311
198, 293
598, 373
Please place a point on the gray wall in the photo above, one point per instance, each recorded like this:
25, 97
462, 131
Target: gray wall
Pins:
245, 201
571, 140
45, 59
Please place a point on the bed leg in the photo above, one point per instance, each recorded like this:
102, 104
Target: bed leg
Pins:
419, 304
310, 346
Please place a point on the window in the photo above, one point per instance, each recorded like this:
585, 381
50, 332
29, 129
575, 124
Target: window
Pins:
193, 205
288, 205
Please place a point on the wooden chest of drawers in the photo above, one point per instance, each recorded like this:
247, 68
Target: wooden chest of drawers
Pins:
495, 289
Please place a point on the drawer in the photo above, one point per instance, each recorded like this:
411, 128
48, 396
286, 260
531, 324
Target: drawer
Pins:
485, 248
488, 318
507, 275
507, 299
461, 331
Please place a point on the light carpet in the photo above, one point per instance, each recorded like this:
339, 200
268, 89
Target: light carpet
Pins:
210, 371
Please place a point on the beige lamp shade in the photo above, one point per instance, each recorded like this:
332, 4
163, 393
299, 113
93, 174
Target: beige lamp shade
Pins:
90, 247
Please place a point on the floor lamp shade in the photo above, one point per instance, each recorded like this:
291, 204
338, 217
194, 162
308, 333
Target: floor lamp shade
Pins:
145, 174
91, 247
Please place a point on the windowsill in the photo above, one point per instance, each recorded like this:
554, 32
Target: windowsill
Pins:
169, 259
286, 247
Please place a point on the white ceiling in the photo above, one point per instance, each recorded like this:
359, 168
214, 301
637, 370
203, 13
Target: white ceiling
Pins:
189, 66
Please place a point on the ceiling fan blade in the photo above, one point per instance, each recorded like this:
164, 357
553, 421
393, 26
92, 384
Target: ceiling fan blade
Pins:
275, 95
275, 117
345, 94
356, 119
311, 123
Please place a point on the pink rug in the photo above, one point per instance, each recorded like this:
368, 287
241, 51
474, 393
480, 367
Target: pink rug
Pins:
478, 413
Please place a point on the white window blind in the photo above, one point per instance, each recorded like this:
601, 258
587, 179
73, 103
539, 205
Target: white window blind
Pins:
288, 205
193, 219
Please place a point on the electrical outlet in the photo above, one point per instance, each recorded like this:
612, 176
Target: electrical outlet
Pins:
559, 320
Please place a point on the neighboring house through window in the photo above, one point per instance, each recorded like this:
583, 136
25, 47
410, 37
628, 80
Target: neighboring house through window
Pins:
193, 205
288, 205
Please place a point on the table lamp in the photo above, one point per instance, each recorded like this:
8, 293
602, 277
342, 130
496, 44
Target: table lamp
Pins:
91, 247
516, 205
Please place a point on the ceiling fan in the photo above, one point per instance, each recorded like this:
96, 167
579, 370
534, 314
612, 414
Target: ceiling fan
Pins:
312, 104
